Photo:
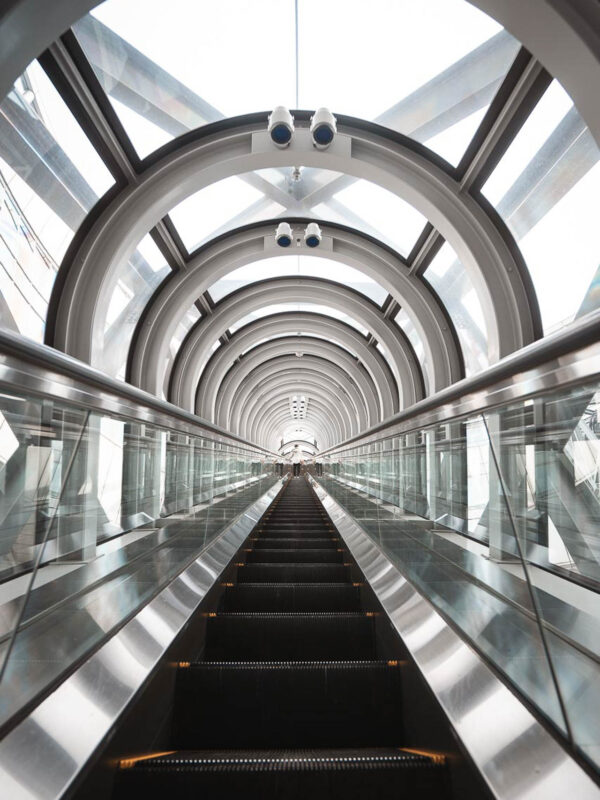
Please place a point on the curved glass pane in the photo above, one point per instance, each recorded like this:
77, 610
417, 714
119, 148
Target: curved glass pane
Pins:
220, 207
314, 267
133, 286
191, 316
375, 211
314, 308
50, 177
172, 64
214, 346
453, 284
547, 185
405, 322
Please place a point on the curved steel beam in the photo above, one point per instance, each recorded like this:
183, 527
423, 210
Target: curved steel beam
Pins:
278, 423
276, 411
27, 27
289, 375
318, 353
323, 400
362, 150
334, 331
539, 25
256, 242
196, 348
265, 381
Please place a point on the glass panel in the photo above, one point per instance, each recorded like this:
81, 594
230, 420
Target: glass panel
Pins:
405, 322
545, 186
213, 210
453, 284
191, 316
495, 519
377, 212
173, 66
214, 347
312, 308
50, 177
133, 286
314, 267
80, 548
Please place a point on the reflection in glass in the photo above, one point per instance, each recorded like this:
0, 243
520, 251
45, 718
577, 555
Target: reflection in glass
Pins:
547, 185
495, 519
50, 177
81, 494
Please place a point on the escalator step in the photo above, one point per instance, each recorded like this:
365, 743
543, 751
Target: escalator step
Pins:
293, 573
291, 597
294, 637
301, 556
295, 542
288, 704
277, 532
354, 774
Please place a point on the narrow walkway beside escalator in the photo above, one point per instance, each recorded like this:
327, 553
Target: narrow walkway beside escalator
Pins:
289, 695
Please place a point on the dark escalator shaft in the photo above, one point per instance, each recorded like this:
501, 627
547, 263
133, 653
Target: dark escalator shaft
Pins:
290, 697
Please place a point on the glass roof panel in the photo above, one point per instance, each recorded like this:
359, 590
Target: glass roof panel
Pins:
548, 183
312, 266
50, 177
403, 321
377, 212
266, 194
205, 214
191, 316
133, 286
313, 308
453, 284
174, 62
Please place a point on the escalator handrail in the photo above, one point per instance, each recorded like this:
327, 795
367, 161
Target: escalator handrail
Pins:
567, 357
43, 363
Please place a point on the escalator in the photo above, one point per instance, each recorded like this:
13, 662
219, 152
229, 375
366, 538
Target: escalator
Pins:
291, 693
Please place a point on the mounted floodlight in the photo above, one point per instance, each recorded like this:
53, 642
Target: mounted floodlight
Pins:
312, 235
281, 126
283, 234
322, 128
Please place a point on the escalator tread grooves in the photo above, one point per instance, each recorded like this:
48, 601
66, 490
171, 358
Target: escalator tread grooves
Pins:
281, 762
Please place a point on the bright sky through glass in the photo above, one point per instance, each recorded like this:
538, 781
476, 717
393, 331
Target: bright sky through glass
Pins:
555, 219
202, 44
312, 266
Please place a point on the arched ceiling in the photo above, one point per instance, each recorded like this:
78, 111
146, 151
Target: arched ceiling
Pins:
147, 192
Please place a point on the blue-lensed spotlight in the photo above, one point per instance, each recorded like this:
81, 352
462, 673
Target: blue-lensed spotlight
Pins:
312, 235
281, 126
322, 128
284, 234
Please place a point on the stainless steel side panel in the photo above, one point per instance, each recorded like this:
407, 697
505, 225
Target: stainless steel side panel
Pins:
517, 757
41, 757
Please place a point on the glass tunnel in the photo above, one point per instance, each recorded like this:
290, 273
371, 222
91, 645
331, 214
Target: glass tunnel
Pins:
300, 351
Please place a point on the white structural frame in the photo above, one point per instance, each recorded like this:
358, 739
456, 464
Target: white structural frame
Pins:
272, 327
257, 242
238, 147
